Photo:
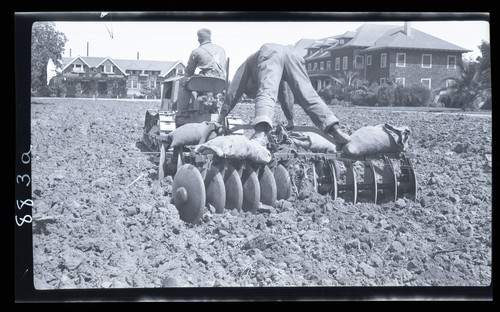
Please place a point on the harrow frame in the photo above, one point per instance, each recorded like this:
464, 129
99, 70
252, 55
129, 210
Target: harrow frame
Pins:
252, 184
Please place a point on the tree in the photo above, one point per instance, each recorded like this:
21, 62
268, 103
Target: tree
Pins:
46, 43
348, 83
484, 59
119, 88
485, 65
470, 88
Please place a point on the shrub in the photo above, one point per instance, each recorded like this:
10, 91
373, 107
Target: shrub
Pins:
385, 95
414, 95
364, 97
402, 96
329, 93
420, 95
149, 93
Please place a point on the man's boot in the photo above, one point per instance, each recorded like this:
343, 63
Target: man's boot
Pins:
338, 136
260, 134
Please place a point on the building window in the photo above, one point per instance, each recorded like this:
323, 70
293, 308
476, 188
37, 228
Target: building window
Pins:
358, 63
400, 81
341, 41
426, 82
337, 63
328, 65
383, 60
426, 60
344, 62
368, 60
315, 66
450, 83
452, 62
133, 84
322, 65
152, 84
400, 59
108, 69
179, 71
382, 80
308, 66
78, 68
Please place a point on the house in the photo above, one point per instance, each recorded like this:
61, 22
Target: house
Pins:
107, 77
384, 53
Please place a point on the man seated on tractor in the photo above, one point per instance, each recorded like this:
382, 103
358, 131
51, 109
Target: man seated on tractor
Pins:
210, 59
266, 76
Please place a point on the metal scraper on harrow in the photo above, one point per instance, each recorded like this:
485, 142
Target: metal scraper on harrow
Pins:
202, 179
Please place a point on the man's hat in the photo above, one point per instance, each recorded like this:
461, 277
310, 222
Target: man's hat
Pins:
204, 34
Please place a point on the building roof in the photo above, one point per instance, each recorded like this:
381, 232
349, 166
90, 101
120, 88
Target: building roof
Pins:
302, 45
317, 54
375, 36
322, 46
163, 66
396, 38
366, 35
347, 34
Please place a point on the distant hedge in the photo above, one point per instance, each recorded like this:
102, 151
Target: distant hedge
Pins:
378, 95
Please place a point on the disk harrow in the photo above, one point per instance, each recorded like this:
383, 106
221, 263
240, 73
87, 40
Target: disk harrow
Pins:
201, 180
372, 179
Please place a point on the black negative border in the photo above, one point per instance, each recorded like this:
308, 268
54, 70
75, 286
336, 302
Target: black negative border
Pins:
23, 264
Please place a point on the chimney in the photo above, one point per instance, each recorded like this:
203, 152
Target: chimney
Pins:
407, 29
87, 48
137, 54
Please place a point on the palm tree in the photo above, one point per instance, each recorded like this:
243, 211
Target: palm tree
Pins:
470, 89
348, 79
347, 83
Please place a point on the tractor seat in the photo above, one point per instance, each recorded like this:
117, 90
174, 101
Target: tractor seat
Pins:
205, 84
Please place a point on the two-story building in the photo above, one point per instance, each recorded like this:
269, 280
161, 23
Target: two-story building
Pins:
383, 53
102, 76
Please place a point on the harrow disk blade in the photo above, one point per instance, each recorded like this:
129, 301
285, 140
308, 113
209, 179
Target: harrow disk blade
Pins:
333, 166
409, 180
267, 183
215, 189
370, 178
251, 190
234, 188
188, 193
414, 183
283, 183
389, 180
350, 181
315, 177
162, 164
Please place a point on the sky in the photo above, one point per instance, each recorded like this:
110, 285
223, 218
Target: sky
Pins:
172, 41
